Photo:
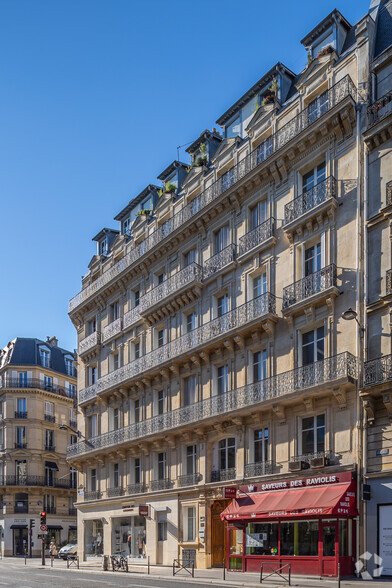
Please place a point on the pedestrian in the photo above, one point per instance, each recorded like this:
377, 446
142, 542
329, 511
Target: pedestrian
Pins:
52, 549
129, 541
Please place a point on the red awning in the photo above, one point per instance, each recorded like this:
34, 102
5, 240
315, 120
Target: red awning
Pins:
337, 499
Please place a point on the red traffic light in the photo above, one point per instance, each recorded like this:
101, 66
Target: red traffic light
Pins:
43, 514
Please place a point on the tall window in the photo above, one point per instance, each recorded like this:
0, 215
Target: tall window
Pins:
20, 437
221, 239
49, 409
92, 375
191, 459
312, 259
49, 475
116, 475
260, 285
189, 390
190, 523
161, 277
49, 439
190, 322
21, 471
222, 304
136, 297
137, 409
45, 357
162, 530
313, 177
48, 382
69, 367
161, 466
227, 453
91, 326
313, 346
114, 311
161, 397
313, 434
258, 214
21, 406
136, 349
73, 477
93, 480
190, 257
161, 337
116, 419
49, 503
115, 361
137, 471
259, 365
260, 440
318, 107
223, 378
22, 379
93, 425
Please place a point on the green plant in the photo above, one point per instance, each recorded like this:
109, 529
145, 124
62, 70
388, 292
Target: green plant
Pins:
203, 149
144, 211
256, 104
274, 87
325, 51
310, 59
160, 192
170, 187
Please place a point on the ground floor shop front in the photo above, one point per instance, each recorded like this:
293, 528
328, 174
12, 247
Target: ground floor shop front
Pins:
308, 523
20, 534
379, 526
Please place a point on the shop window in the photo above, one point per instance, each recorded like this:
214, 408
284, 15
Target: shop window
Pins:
343, 537
129, 536
227, 453
262, 538
162, 531
313, 434
299, 538
190, 523
93, 537
260, 440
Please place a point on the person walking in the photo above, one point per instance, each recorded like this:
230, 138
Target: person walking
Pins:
52, 549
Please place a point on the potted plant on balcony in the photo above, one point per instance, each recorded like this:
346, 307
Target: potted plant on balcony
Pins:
201, 159
325, 51
145, 212
170, 188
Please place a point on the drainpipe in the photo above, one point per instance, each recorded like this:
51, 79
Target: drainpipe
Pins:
365, 332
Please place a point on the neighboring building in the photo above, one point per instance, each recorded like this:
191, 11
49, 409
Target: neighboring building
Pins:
377, 391
37, 395
212, 350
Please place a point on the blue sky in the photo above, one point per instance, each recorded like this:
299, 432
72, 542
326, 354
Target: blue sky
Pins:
95, 97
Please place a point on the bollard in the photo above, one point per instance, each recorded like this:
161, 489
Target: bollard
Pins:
51, 561
25, 553
193, 569
105, 563
148, 565
339, 575
224, 570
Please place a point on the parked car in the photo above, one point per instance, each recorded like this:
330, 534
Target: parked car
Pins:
69, 549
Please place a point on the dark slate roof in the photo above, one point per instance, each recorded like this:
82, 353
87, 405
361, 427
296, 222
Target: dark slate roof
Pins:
384, 28
135, 201
255, 89
324, 25
25, 351
350, 40
170, 169
104, 232
201, 138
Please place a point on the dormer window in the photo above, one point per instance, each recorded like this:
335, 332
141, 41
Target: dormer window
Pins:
44, 354
233, 129
125, 226
103, 247
327, 41
69, 366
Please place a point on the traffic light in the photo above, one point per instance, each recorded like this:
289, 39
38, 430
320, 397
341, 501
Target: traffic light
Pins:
366, 492
43, 518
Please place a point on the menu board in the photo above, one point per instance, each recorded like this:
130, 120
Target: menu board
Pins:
385, 538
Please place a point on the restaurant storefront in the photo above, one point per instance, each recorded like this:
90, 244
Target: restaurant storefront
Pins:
307, 522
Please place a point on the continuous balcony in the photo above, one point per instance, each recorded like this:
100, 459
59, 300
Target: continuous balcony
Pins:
131, 317
388, 283
389, 193
20, 414
12, 480
257, 239
262, 307
378, 371
92, 495
342, 91
136, 488
112, 330
90, 343
380, 109
311, 204
37, 385
321, 375
183, 286
50, 418
115, 491
219, 261
318, 285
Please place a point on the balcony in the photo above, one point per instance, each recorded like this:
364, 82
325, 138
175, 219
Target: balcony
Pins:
50, 510
50, 418
311, 204
11, 480
20, 445
21, 508
326, 373
319, 283
112, 330
315, 460
258, 239
115, 491
136, 488
261, 468
389, 193
92, 495
188, 480
131, 317
72, 512
36, 385
73, 424
230, 322
163, 484
379, 110
20, 414
89, 343
343, 90
217, 262
223, 475
50, 448
378, 371
388, 283
185, 280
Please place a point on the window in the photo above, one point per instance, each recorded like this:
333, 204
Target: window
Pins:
21, 406
116, 419
190, 322
313, 434
318, 107
125, 225
49, 409
161, 337
49, 439
73, 477
161, 401
93, 480
162, 531
137, 471
20, 441
222, 305
91, 326
136, 349
328, 40
299, 538
69, 366
259, 365
313, 177
22, 379
190, 523
71, 390
267, 539
45, 357
116, 475
233, 128
223, 379
48, 383
312, 259
190, 257
114, 311
191, 455
137, 408
49, 476
258, 214
115, 361
260, 285
313, 346
136, 297
260, 441
21, 471
161, 466
92, 423
49, 503
227, 453
92, 375
221, 239
161, 278
189, 390
103, 247
73, 439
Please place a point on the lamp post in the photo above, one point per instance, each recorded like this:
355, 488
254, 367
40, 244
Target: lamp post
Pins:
77, 433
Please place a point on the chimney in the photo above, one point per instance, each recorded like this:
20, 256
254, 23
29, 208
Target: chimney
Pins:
53, 341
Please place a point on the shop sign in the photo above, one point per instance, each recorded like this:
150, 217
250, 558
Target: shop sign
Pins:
143, 510
128, 507
323, 480
229, 492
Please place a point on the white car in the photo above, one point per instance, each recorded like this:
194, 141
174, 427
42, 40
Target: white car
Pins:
69, 549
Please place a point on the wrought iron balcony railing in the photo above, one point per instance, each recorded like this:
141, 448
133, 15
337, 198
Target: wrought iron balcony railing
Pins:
309, 286
50, 448
20, 414
73, 424
223, 475
20, 445
256, 237
261, 468
50, 509
72, 512
115, 491
12, 480
188, 480
308, 457
136, 488
89, 342
310, 199
326, 371
388, 283
112, 329
389, 193
131, 317
163, 484
380, 109
218, 261
92, 495
236, 318
37, 385
185, 277
343, 89
378, 370
50, 418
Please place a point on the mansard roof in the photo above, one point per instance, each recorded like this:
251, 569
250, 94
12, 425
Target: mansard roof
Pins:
384, 28
325, 24
135, 201
170, 169
103, 232
201, 138
25, 351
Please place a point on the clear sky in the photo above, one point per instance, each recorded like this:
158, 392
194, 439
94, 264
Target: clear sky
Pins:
95, 96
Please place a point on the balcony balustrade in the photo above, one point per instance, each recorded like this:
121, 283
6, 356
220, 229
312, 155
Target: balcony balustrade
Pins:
72, 512
136, 488
162, 484
36, 385
309, 200
131, 317
343, 89
231, 321
257, 236
20, 414
188, 480
89, 342
380, 109
20, 445
50, 418
308, 457
188, 276
115, 491
378, 371
309, 286
12, 480
92, 495
388, 282
389, 193
218, 261
112, 329
223, 475
327, 371
261, 468
50, 448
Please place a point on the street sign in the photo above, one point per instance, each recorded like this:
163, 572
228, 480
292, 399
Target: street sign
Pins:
43, 528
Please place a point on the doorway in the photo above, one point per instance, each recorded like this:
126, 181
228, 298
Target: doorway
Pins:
218, 535
329, 547
20, 541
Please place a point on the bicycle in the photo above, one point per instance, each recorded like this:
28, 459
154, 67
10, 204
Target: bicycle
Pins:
119, 563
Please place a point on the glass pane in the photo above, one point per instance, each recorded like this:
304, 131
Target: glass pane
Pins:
262, 539
329, 533
299, 538
235, 563
342, 537
236, 538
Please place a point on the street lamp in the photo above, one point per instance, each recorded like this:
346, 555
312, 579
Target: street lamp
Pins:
351, 315
78, 433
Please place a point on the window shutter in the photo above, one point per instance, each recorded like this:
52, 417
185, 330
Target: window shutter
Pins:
49, 408
55, 381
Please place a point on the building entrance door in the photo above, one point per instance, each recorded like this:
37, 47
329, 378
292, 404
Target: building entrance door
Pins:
329, 548
218, 535
20, 540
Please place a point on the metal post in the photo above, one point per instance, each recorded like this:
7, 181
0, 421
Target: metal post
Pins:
51, 561
339, 575
25, 553
174, 561
77, 560
289, 574
148, 565
43, 552
193, 569
224, 570
261, 573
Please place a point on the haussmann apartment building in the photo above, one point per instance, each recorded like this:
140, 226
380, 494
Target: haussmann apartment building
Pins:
212, 349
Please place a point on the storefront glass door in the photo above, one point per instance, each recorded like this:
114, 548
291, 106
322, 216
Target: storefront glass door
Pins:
20, 541
329, 547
